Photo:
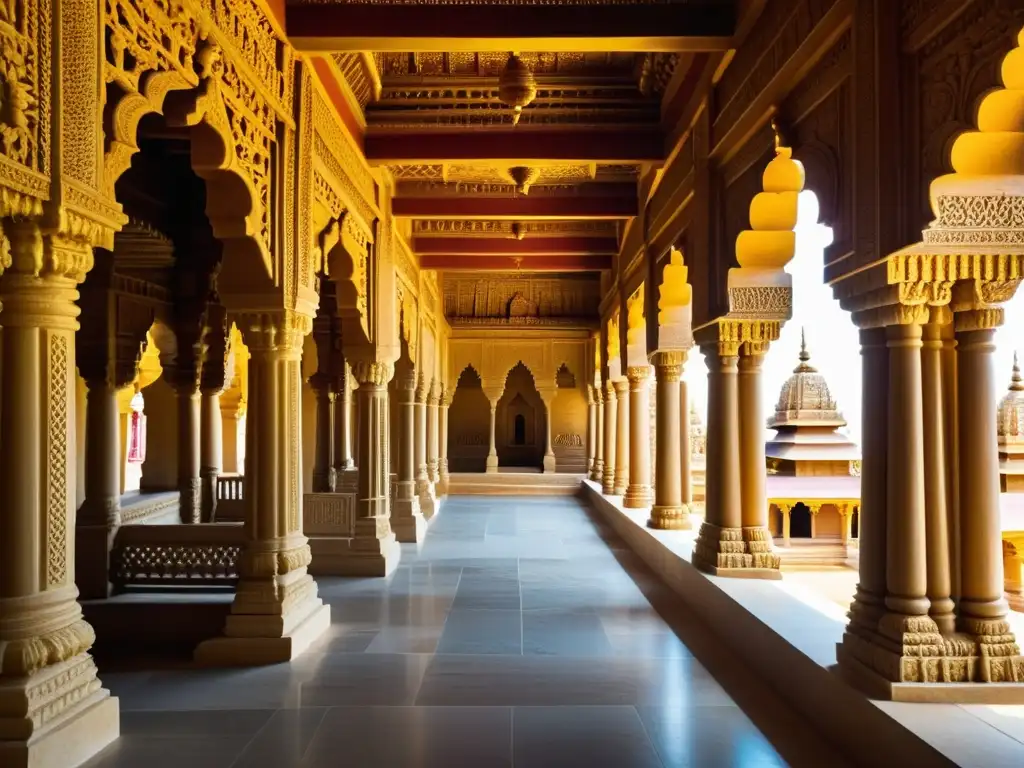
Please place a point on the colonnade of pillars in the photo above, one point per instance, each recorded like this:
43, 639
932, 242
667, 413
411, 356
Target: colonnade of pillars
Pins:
421, 474
619, 442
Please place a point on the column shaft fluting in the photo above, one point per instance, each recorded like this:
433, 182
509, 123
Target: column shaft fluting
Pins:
638, 493
941, 605
611, 422
669, 512
622, 437
906, 541
981, 578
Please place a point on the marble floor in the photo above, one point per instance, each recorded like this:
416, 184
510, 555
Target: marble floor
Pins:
521, 633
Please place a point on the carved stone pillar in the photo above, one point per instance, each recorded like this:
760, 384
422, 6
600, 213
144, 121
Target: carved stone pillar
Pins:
374, 547
53, 709
784, 512
669, 512
870, 596
406, 518
433, 440
189, 480
622, 437
937, 526
424, 488
982, 605
638, 493
493, 396
685, 446
276, 612
753, 496
324, 478
216, 375
597, 471
211, 451
547, 396
720, 542
343, 422
611, 421
442, 459
906, 559
108, 349
591, 429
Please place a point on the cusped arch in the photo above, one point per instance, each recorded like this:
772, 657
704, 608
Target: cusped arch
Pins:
346, 253
236, 168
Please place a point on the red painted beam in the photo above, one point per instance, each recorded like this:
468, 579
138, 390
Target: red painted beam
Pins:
699, 25
521, 207
485, 246
564, 263
521, 146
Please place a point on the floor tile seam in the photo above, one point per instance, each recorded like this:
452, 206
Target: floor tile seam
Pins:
252, 739
993, 726
522, 621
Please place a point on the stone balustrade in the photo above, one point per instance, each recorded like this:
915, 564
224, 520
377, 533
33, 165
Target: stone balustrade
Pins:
176, 555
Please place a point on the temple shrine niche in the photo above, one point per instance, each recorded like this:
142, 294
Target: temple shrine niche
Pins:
1010, 430
813, 487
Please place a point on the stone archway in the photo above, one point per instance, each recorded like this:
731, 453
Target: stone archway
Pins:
520, 402
469, 424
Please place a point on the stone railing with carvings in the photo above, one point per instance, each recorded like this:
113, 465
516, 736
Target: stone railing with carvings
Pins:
149, 508
328, 514
230, 498
176, 555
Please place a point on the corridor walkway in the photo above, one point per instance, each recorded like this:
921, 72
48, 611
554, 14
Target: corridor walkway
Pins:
514, 637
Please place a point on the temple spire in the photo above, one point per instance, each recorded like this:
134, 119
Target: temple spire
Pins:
1016, 382
805, 356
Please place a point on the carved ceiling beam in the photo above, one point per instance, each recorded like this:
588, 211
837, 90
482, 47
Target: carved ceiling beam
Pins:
533, 206
516, 147
400, 27
487, 246
524, 263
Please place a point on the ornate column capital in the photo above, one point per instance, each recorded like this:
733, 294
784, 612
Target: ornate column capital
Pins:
372, 372
638, 373
407, 382
434, 393
620, 387
669, 365
277, 332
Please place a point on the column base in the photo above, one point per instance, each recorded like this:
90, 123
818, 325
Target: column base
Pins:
608, 482
620, 487
346, 480
407, 521
670, 518
442, 486
638, 497
905, 658
735, 552
492, 465
264, 645
549, 463
325, 481
597, 472
93, 548
79, 717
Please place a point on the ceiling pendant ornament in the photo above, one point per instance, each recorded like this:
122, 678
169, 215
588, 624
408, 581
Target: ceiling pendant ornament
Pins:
523, 177
517, 86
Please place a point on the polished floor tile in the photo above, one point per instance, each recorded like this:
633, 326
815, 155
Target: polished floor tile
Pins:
587, 737
519, 634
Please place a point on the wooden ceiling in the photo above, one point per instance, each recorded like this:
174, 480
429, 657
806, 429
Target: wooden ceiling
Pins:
424, 75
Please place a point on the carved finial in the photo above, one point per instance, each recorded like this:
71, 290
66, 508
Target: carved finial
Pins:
805, 356
778, 138
1016, 382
